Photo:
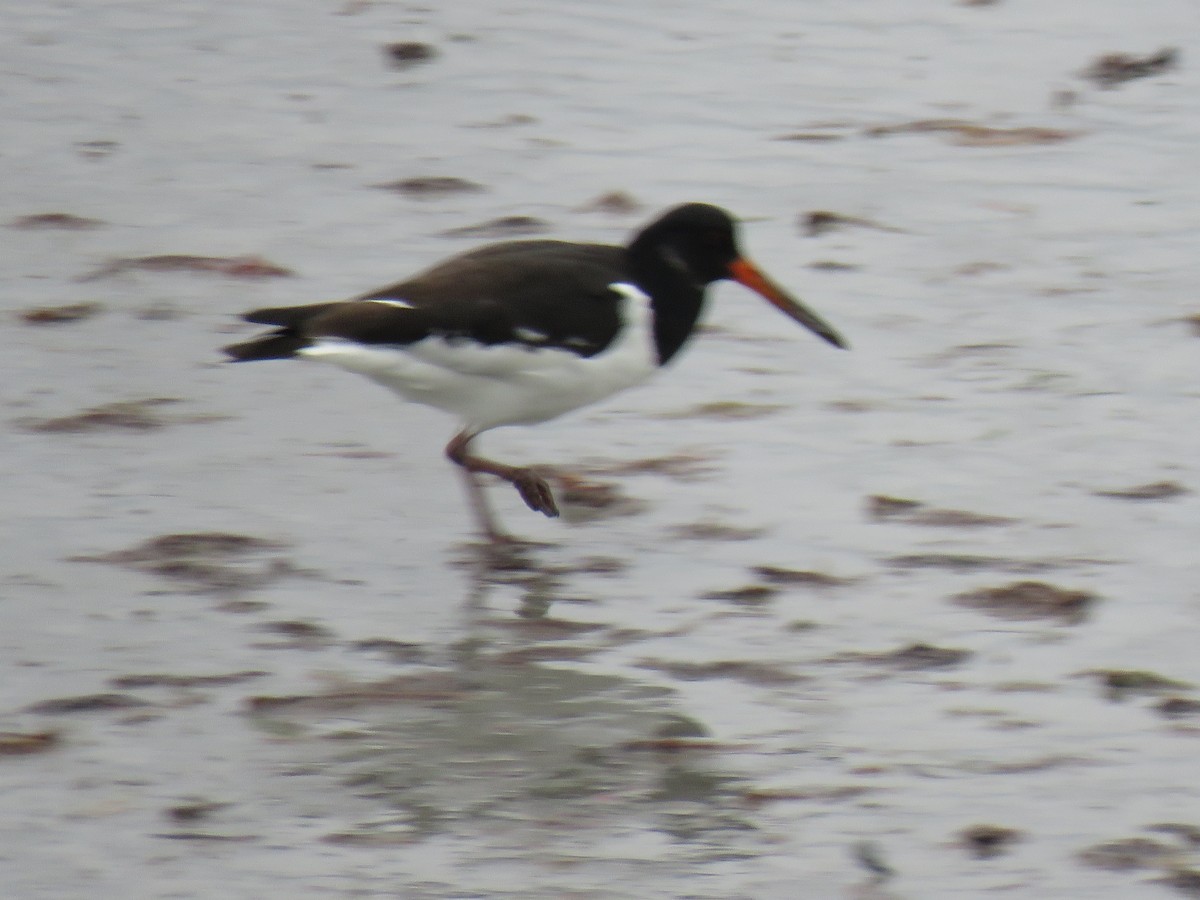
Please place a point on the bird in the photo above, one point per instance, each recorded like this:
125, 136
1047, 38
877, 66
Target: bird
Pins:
523, 331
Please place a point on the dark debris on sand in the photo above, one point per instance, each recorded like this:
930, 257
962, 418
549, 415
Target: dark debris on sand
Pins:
1120, 684
756, 673
86, 703
972, 134
1112, 69
184, 681
988, 841
230, 266
1156, 490
614, 203
405, 54
25, 743
822, 221
784, 577
1030, 600
122, 415
208, 562
432, 186
749, 595
56, 221
502, 227
913, 512
58, 315
910, 658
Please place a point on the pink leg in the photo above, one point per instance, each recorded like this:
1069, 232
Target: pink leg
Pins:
532, 487
483, 512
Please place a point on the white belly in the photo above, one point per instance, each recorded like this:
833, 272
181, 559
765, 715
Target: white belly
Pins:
505, 384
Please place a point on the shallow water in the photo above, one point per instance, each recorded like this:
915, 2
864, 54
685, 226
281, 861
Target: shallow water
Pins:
735, 674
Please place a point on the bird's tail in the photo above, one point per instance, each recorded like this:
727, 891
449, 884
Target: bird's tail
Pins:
276, 345
283, 343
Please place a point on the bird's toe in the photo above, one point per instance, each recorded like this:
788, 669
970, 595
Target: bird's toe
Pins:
536, 493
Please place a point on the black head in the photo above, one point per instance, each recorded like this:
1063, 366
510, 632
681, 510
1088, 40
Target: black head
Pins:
689, 247
696, 240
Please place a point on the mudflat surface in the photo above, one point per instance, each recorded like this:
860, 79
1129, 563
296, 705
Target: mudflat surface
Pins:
916, 620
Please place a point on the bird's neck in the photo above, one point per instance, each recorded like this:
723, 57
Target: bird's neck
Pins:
676, 297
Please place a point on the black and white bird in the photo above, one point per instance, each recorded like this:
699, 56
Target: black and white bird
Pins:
519, 332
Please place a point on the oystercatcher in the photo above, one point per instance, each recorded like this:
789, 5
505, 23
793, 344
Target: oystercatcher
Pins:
520, 332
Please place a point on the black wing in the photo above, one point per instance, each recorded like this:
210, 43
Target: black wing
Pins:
533, 293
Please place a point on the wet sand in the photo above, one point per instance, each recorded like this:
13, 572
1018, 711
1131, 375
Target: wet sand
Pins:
916, 620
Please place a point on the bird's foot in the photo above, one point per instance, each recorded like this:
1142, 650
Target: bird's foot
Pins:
535, 492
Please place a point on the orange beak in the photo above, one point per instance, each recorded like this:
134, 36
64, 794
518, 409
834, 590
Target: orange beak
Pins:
746, 273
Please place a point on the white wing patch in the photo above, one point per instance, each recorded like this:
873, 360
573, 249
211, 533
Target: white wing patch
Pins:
388, 301
530, 335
